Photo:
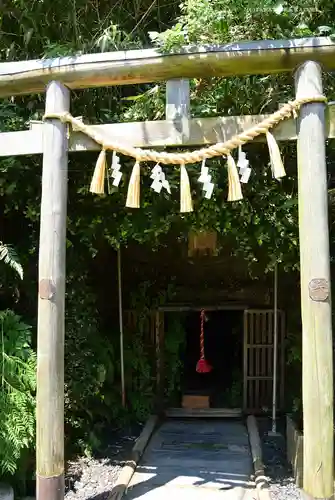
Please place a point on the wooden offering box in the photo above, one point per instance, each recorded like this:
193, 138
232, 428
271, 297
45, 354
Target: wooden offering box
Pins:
191, 401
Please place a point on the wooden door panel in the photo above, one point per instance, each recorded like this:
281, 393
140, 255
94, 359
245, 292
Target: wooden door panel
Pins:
258, 359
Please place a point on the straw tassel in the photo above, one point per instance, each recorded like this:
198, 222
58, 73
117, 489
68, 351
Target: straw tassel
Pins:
98, 179
277, 167
133, 194
234, 186
186, 204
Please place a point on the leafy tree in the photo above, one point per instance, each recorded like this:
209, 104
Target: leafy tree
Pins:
18, 383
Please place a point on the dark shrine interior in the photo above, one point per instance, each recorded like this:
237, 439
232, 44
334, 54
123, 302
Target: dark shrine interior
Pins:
223, 336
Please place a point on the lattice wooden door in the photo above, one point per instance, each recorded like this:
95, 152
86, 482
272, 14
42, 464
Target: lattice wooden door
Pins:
258, 360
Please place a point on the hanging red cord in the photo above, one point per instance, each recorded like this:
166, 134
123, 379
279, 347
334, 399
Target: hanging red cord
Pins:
203, 366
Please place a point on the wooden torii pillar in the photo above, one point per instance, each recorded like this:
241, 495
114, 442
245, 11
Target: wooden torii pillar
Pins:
317, 359
51, 301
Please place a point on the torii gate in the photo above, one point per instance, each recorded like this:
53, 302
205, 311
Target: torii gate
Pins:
305, 57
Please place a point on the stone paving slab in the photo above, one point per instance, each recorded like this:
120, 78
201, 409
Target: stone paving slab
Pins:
201, 478
195, 459
189, 493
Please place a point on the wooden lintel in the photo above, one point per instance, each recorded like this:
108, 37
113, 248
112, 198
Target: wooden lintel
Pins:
149, 65
154, 134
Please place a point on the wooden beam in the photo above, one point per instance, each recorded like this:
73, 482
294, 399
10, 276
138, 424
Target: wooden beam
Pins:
317, 382
155, 134
149, 65
51, 302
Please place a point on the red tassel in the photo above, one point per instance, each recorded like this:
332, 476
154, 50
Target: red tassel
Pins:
203, 366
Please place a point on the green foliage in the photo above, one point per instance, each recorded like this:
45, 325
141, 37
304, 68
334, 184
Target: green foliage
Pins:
222, 21
18, 383
89, 361
140, 355
252, 225
49, 29
92, 361
139, 377
236, 390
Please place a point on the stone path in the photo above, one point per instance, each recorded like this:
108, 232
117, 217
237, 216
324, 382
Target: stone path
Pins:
195, 459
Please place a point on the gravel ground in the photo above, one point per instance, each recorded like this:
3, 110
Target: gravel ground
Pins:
93, 478
282, 485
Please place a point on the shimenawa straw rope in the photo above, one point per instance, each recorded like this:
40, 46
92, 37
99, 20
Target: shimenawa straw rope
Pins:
218, 149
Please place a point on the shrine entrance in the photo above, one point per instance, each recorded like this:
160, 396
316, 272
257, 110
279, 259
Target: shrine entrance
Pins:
240, 347
223, 335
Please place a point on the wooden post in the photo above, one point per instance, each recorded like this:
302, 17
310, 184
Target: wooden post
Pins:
119, 276
177, 107
177, 110
51, 300
317, 380
159, 328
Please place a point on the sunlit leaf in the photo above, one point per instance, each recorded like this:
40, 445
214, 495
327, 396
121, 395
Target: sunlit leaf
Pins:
278, 9
9, 256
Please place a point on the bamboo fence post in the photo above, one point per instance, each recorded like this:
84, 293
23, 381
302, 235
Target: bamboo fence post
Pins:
51, 302
317, 380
